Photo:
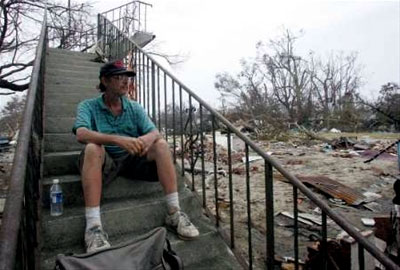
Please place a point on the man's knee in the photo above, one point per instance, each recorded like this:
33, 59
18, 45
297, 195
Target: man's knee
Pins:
94, 151
161, 145
92, 148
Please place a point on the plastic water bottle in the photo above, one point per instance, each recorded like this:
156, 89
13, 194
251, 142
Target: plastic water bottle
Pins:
56, 199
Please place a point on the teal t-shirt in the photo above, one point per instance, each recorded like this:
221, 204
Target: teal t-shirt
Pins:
94, 115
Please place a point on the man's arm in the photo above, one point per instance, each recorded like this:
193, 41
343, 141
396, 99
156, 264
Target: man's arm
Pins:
132, 145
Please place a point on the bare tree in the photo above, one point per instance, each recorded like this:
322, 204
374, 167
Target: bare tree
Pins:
333, 83
288, 75
387, 106
19, 30
11, 115
279, 86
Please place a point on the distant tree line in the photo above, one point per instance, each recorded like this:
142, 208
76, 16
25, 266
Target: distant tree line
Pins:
279, 87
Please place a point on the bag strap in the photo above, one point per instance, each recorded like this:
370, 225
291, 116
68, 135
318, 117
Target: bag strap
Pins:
173, 261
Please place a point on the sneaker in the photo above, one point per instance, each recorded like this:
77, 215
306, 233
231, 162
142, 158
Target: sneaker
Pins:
180, 223
96, 239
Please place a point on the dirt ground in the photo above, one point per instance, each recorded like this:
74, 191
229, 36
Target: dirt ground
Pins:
299, 157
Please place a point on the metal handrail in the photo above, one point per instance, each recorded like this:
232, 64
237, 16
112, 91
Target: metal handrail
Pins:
140, 2
270, 162
141, 21
17, 202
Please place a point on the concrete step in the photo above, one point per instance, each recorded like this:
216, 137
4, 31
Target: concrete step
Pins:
57, 108
74, 83
53, 64
61, 142
60, 90
69, 73
120, 217
59, 124
64, 94
60, 163
61, 52
207, 252
120, 188
71, 61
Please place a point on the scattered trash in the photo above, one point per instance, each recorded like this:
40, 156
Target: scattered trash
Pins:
360, 147
313, 218
370, 222
251, 158
373, 206
380, 153
371, 196
302, 220
334, 130
326, 148
295, 162
238, 170
333, 188
337, 201
343, 143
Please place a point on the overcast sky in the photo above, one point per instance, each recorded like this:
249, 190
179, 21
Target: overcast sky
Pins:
216, 34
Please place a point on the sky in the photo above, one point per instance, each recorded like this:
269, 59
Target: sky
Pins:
215, 35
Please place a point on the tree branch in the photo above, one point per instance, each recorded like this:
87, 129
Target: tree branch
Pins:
12, 86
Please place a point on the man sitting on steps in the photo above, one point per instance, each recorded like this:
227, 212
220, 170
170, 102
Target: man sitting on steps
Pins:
121, 140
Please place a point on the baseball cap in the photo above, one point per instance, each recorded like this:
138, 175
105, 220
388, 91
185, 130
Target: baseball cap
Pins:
115, 68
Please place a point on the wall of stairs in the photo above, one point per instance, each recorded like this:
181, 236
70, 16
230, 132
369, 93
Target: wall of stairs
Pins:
129, 208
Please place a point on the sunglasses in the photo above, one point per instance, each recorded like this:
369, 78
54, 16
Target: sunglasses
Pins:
120, 77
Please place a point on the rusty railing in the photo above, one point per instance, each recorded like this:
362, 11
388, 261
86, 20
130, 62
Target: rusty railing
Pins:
19, 235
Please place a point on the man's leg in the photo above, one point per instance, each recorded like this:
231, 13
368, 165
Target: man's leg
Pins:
91, 172
160, 153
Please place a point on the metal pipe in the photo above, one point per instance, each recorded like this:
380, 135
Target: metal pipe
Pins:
203, 180
181, 119
11, 221
153, 92
269, 205
324, 244
361, 261
191, 140
158, 98
231, 212
173, 120
296, 229
165, 107
248, 198
215, 172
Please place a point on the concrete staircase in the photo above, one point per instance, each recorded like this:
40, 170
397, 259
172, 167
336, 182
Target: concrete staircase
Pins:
129, 208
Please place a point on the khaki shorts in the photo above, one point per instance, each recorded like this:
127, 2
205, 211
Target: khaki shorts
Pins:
129, 166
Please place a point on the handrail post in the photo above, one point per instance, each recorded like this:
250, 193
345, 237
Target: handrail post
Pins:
153, 91
269, 201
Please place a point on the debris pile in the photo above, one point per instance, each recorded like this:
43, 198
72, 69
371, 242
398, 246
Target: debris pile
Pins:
357, 190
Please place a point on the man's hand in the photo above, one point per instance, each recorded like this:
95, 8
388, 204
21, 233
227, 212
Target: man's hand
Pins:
148, 140
132, 145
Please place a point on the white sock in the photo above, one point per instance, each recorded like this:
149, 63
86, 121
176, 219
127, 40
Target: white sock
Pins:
172, 202
92, 217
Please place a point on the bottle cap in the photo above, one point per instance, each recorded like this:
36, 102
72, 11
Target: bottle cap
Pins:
56, 181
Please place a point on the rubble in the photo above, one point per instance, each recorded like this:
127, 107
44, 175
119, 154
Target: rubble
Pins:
335, 170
